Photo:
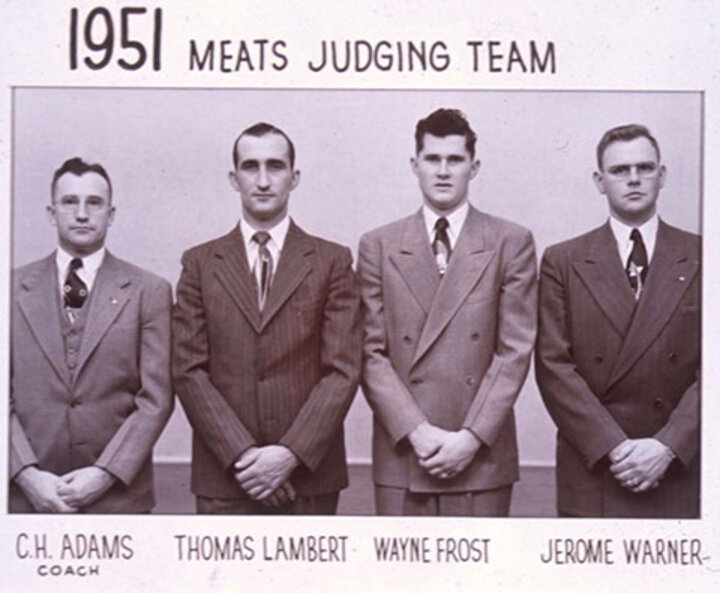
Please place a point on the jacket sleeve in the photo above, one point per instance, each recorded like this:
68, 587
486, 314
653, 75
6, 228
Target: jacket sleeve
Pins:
516, 329
132, 443
209, 413
578, 413
390, 399
321, 416
681, 431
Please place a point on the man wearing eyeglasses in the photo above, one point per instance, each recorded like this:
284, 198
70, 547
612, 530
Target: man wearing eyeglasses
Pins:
618, 353
90, 370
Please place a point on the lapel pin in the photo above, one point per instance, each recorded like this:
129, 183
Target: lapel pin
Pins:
681, 278
113, 300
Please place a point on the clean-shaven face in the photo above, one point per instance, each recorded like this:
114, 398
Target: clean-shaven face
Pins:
264, 177
631, 178
444, 168
81, 212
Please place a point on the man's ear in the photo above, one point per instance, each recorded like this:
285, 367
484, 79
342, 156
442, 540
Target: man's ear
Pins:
295, 179
232, 178
599, 181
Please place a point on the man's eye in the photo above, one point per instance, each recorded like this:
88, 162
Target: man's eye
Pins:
276, 165
432, 158
646, 167
249, 166
619, 170
69, 201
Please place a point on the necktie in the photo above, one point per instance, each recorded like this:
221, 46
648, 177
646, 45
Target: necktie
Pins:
441, 244
266, 263
75, 290
637, 264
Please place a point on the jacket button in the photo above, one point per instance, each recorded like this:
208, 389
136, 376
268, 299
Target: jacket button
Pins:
415, 381
74, 403
407, 339
469, 380
673, 357
659, 403
598, 359
475, 336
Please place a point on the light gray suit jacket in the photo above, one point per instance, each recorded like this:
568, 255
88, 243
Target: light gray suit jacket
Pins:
453, 351
112, 409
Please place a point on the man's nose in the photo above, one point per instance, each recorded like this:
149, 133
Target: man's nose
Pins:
443, 170
81, 212
263, 181
634, 177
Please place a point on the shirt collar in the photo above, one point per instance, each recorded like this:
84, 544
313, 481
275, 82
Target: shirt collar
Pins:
648, 231
91, 263
88, 271
277, 233
456, 220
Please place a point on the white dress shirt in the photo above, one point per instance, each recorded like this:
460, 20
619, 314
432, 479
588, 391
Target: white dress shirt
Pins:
88, 272
648, 231
274, 245
456, 220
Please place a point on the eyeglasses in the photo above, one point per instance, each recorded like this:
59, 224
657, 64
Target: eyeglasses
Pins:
72, 203
644, 170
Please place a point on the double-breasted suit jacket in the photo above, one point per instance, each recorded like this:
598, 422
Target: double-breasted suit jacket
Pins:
284, 376
454, 351
107, 406
610, 368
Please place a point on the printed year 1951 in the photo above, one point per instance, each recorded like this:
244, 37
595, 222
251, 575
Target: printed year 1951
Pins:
96, 33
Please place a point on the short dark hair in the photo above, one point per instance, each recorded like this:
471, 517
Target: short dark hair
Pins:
624, 133
261, 129
445, 122
79, 167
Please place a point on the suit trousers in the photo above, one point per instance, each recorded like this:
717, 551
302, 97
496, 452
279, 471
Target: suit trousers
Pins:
479, 503
322, 504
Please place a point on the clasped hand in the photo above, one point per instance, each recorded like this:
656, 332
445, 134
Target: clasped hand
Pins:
640, 464
49, 493
263, 473
443, 453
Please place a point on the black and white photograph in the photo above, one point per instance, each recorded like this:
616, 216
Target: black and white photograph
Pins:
394, 327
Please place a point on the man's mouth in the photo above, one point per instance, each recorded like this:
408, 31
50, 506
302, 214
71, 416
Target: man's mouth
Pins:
635, 195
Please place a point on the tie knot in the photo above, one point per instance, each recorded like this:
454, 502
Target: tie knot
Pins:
261, 238
441, 224
635, 236
76, 263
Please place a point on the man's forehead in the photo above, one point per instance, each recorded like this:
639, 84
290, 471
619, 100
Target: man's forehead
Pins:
628, 151
452, 143
88, 182
265, 147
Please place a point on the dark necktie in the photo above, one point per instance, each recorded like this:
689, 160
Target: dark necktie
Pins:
441, 244
74, 290
637, 264
266, 263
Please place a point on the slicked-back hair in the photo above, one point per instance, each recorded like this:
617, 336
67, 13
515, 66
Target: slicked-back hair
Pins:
261, 129
77, 166
445, 122
624, 133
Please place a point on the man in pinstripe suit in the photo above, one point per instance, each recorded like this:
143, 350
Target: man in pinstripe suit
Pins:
267, 348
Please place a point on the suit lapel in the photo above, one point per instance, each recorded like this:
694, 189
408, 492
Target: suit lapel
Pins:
467, 264
292, 268
233, 273
603, 274
39, 302
672, 270
108, 299
415, 262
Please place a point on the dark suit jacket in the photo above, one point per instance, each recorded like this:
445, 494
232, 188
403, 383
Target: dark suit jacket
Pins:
455, 352
114, 408
609, 370
286, 376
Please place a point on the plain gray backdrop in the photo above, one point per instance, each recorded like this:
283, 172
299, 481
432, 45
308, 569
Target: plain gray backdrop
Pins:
168, 153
